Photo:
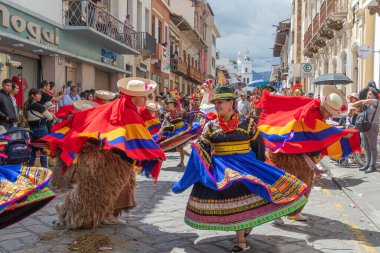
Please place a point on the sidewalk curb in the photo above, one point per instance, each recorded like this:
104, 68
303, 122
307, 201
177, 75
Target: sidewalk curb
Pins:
359, 201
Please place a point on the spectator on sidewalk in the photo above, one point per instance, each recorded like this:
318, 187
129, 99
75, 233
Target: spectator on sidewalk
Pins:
7, 112
90, 96
354, 97
243, 106
55, 100
14, 92
363, 92
239, 91
370, 137
68, 86
45, 95
37, 116
70, 98
348, 122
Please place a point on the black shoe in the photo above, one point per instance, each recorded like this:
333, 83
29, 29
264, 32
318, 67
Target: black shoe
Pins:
370, 170
364, 168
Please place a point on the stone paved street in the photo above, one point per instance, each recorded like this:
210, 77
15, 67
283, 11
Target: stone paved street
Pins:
156, 225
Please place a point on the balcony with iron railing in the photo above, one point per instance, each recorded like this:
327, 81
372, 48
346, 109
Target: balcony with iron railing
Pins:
146, 44
85, 18
325, 23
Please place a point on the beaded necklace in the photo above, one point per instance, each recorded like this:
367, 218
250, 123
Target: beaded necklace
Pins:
174, 114
229, 126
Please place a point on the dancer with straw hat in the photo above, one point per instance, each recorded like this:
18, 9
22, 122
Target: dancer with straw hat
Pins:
103, 96
105, 144
295, 131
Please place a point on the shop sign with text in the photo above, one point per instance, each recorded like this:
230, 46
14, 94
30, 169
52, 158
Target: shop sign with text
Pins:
36, 32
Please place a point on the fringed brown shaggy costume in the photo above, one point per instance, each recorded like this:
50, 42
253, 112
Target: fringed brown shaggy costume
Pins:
101, 176
65, 180
295, 165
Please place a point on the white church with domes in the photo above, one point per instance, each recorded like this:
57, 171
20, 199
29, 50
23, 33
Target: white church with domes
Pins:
240, 70
245, 68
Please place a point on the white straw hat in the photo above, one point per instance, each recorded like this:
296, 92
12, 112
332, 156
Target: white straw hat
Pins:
81, 105
334, 101
153, 106
136, 87
104, 94
355, 95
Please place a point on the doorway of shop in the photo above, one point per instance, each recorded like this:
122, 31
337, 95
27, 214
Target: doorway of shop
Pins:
71, 75
102, 80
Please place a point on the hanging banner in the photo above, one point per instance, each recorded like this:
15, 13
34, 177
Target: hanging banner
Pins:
202, 65
165, 60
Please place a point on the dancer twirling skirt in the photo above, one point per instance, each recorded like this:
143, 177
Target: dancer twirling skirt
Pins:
178, 130
234, 190
23, 191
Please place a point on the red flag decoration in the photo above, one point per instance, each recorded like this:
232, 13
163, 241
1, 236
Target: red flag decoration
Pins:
98, 101
116, 124
294, 125
65, 111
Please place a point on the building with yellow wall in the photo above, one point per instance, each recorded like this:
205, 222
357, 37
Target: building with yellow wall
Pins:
334, 30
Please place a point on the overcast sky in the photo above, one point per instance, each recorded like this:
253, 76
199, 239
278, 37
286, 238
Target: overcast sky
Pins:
247, 24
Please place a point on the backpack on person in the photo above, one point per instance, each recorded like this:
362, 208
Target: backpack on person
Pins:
362, 123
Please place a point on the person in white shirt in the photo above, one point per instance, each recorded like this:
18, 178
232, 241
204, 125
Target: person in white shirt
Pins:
239, 91
243, 106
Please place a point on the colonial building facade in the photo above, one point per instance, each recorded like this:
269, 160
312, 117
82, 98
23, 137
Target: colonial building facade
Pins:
95, 44
333, 32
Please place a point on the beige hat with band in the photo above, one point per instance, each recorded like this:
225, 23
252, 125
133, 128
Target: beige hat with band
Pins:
334, 101
81, 105
105, 94
136, 87
153, 106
